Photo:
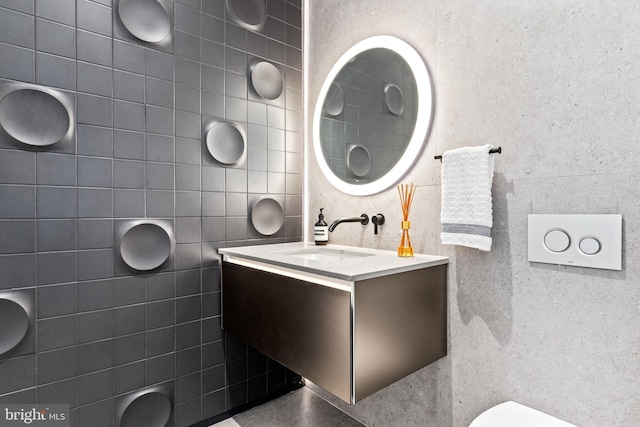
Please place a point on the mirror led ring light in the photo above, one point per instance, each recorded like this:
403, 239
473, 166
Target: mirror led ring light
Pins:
420, 131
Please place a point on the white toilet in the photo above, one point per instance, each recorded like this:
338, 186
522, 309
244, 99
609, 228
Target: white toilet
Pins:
512, 414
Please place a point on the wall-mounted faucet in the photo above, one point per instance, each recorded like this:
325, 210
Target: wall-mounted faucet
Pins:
362, 219
377, 219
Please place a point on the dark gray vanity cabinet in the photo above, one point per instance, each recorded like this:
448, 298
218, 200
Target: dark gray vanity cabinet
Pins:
351, 342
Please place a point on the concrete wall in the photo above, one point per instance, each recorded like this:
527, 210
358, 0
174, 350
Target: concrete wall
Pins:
556, 85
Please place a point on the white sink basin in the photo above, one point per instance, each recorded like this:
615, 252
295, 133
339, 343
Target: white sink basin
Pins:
344, 264
326, 254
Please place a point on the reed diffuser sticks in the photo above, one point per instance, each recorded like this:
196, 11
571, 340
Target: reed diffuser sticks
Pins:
406, 192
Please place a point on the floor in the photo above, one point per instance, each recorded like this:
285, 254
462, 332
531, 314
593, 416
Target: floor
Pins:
301, 408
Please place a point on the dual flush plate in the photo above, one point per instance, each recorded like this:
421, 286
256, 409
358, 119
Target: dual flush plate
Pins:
593, 241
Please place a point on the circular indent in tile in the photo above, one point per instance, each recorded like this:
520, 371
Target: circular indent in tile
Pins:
359, 161
34, 117
145, 246
147, 20
148, 410
334, 101
225, 142
250, 13
267, 80
267, 216
394, 99
14, 324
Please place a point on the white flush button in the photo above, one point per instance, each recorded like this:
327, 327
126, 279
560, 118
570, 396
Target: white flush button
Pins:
589, 246
580, 240
557, 241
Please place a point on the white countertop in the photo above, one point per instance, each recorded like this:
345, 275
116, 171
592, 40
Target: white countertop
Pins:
380, 263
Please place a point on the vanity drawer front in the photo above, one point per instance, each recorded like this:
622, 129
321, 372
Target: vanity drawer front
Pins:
400, 326
302, 325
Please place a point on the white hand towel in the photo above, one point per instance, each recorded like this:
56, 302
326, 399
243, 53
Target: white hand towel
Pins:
467, 212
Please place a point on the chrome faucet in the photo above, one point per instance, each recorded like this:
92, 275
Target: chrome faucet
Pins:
362, 219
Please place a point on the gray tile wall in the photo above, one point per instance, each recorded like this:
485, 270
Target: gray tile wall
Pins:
102, 330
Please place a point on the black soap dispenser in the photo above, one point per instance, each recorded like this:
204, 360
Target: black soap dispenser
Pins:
321, 230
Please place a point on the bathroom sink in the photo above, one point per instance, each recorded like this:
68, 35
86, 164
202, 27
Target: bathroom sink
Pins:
341, 264
316, 310
325, 254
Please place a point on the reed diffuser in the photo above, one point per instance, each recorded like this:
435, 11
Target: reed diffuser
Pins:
406, 192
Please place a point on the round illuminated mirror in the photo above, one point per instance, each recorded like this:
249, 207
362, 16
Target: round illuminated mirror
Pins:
377, 97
